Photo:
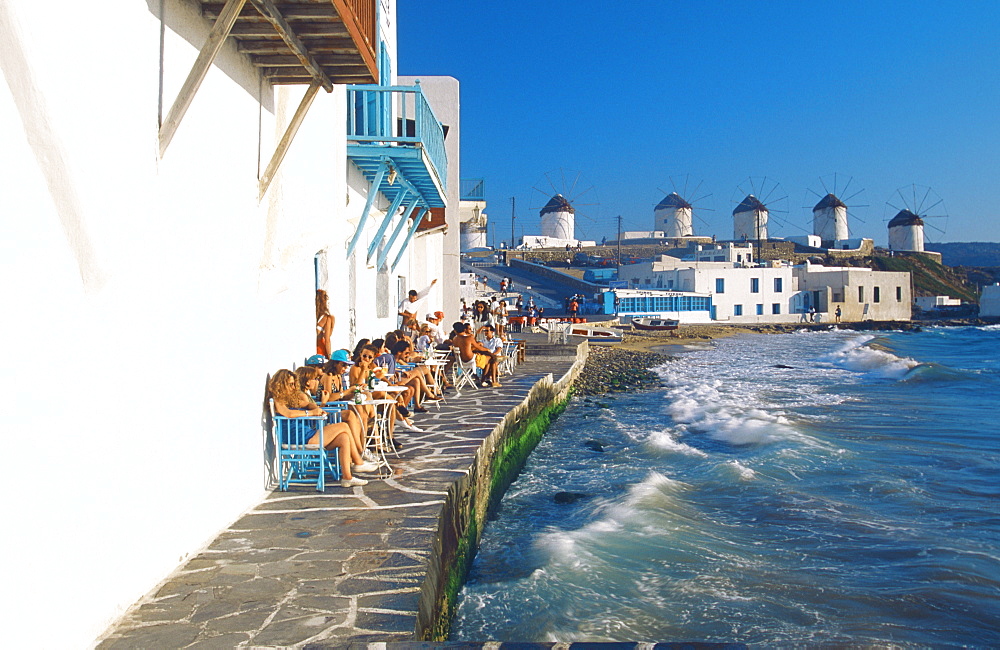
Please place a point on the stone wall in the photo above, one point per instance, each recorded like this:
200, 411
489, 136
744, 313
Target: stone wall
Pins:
496, 464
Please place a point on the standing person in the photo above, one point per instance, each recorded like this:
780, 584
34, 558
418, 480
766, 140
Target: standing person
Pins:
837, 313
500, 318
324, 323
574, 307
412, 305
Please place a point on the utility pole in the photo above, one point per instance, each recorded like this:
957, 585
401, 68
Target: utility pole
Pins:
512, 217
618, 275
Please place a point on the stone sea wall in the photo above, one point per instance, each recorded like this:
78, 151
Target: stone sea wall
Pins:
496, 464
612, 369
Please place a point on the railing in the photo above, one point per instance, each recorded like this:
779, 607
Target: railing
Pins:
359, 17
370, 121
473, 189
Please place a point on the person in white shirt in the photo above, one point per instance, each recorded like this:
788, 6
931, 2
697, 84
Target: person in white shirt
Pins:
410, 306
437, 333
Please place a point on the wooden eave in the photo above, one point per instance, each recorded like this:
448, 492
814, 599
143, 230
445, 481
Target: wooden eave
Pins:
306, 41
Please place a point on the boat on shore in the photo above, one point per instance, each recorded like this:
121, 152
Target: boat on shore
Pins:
651, 324
596, 334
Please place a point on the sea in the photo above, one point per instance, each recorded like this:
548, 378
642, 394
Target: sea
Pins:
833, 487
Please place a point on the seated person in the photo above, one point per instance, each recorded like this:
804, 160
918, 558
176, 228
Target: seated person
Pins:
343, 390
362, 372
468, 347
494, 343
291, 402
417, 388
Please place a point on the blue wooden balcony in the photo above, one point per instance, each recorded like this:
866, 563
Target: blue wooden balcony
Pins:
395, 139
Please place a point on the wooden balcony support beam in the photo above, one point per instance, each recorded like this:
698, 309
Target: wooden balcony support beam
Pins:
383, 168
384, 253
273, 16
286, 139
216, 38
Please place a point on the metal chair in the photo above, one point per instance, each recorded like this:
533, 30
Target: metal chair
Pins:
508, 360
300, 463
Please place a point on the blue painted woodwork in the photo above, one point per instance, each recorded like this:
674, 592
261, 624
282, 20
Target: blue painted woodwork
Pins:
414, 144
406, 242
300, 463
380, 173
389, 214
384, 253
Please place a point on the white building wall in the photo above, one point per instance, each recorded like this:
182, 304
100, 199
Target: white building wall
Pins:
989, 301
147, 300
861, 294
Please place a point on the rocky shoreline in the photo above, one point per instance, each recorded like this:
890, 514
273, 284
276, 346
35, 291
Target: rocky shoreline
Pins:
626, 367
613, 369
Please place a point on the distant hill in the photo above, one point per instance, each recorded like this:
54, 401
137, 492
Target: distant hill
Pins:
929, 277
974, 253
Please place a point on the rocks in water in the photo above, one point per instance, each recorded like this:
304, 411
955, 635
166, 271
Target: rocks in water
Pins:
781, 365
594, 445
569, 497
611, 369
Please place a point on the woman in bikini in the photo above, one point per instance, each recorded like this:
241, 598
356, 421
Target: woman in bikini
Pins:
324, 323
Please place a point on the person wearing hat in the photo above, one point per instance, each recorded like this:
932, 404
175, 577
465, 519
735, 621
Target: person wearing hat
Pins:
336, 369
410, 306
438, 335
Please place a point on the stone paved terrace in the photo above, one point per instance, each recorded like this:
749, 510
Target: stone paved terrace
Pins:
345, 567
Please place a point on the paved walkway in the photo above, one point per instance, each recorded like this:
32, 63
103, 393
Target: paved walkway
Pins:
335, 568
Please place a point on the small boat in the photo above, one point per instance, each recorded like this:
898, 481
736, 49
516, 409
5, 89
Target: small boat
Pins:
596, 334
655, 324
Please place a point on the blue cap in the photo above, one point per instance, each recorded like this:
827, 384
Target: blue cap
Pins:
316, 360
341, 356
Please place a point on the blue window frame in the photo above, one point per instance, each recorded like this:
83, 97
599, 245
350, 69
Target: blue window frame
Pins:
720, 285
754, 285
777, 285
760, 309
776, 308
737, 310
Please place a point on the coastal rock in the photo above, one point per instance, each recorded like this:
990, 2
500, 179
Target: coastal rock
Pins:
594, 445
569, 497
611, 369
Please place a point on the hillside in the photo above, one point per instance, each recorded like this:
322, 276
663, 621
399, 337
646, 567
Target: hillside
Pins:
929, 277
968, 253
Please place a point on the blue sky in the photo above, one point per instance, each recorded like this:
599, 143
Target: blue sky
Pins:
629, 95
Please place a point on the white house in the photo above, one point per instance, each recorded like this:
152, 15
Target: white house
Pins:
176, 185
779, 293
989, 301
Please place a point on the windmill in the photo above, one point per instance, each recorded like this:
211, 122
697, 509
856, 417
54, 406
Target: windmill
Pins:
560, 198
837, 204
761, 198
674, 214
913, 207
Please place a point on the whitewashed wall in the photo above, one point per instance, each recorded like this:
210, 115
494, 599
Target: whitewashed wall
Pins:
146, 301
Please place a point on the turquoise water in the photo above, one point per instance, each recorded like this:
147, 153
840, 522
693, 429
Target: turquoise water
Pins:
851, 497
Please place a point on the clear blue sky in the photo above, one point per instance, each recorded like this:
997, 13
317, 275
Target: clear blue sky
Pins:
630, 94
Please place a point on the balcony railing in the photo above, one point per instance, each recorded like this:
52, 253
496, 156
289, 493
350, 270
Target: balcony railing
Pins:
473, 189
371, 120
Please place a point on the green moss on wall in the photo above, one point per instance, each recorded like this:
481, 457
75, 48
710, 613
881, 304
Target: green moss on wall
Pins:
505, 464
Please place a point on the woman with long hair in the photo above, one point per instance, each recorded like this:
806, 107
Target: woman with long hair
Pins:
324, 323
291, 402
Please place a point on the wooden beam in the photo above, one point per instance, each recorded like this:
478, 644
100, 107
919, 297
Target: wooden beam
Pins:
303, 30
383, 168
316, 46
384, 253
273, 15
216, 38
389, 215
289, 11
365, 36
286, 139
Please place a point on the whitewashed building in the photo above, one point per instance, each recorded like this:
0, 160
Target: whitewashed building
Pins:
989, 301
779, 293
558, 219
177, 182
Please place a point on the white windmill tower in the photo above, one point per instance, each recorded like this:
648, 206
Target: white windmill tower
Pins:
914, 205
558, 218
752, 214
906, 232
831, 215
673, 216
750, 220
